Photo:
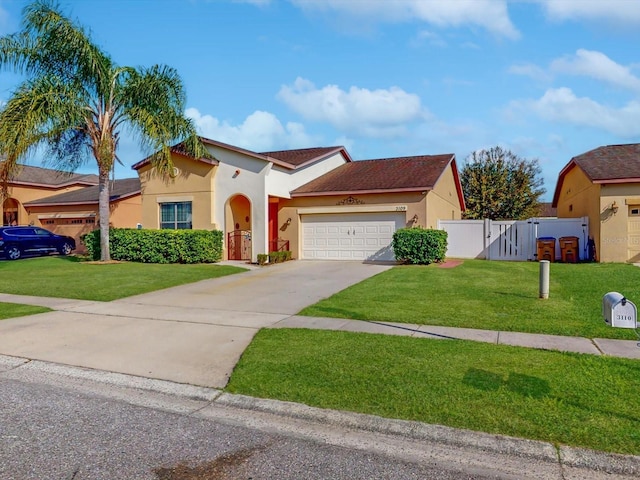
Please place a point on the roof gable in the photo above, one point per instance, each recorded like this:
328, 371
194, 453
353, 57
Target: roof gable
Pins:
305, 156
289, 159
607, 164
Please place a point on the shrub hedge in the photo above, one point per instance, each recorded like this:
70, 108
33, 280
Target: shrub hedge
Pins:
279, 256
419, 245
158, 246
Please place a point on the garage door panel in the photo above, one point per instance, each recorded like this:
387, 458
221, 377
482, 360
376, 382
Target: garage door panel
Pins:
350, 236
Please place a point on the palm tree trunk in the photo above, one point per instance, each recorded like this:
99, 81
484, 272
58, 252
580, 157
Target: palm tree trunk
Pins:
103, 212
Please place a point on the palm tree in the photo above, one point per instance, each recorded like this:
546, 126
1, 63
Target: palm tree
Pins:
75, 101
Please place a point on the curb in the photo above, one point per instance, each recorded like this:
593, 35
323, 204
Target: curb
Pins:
609, 463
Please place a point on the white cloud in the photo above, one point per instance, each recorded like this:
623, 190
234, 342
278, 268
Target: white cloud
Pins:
383, 112
260, 131
562, 105
597, 65
491, 15
530, 70
618, 11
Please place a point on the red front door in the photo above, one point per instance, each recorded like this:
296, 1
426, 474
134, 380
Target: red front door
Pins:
273, 226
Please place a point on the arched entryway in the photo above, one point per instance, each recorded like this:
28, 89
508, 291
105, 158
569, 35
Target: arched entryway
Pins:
10, 212
238, 227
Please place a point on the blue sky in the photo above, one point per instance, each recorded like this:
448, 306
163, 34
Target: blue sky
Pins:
547, 79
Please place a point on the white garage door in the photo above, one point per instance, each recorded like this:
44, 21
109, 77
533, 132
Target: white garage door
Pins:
361, 236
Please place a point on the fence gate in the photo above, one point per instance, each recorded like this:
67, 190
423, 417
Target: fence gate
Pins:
239, 245
508, 241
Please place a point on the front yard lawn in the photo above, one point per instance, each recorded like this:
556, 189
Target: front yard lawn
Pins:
69, 277
11, 310
564, 398
490, 295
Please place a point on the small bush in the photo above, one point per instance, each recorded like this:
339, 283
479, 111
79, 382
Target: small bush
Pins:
158, 246
262, 258
279, 257
420, 246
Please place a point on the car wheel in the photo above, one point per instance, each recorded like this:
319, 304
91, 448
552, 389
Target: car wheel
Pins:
13, 252
65, 249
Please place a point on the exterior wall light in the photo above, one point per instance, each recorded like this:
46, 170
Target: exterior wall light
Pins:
288, 222
614, 207
415, 218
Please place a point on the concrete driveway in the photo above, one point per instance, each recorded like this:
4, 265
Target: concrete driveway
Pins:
192, 334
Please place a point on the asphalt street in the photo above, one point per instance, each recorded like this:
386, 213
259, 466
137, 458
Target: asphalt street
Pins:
61, 422
53, 429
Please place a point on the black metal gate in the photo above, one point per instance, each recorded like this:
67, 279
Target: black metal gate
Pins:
239, 245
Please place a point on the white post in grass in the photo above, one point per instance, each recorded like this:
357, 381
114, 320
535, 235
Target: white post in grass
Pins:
544, 278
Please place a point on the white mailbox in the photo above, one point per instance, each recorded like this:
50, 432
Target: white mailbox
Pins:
618, 311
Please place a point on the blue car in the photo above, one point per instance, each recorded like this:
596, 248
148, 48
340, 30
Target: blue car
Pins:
16, 242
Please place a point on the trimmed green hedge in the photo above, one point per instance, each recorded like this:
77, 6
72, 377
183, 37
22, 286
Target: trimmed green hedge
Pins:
280, 256
158, 246
420, 246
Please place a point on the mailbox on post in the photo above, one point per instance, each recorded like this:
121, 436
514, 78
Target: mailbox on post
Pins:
618, 311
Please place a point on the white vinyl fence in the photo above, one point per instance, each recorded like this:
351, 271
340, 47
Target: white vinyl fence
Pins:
511, 240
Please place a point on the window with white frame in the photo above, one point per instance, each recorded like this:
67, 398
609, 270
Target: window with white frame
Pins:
175, 215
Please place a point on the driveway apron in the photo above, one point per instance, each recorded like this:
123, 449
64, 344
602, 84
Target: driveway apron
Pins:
192, 333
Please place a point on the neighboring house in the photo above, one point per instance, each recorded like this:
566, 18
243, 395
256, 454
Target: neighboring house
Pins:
316, 202
33, 183
547, 210
604, 185
67, 203
76, 212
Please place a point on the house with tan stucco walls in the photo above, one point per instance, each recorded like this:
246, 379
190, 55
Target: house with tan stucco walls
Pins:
604, 185
67, 203
316, 202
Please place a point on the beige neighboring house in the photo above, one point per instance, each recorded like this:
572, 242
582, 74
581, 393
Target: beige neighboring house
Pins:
33, 183
76, 213
604, 185
316, 202
67, 203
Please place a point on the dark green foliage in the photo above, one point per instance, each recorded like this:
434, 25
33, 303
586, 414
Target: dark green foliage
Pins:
281, 256
262, 258
499, 185
159, 246
420, 246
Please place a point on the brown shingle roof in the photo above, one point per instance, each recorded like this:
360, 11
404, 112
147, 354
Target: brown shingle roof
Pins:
290, 159
547, 210
119, 189
303, 156
55, 178
385, 174
613, 162
608, 164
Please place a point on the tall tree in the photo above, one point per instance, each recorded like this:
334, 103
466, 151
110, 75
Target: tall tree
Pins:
499, 185
75, 101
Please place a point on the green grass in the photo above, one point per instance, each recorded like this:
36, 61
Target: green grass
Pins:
12, 310
564, 398
69, 277
490, 295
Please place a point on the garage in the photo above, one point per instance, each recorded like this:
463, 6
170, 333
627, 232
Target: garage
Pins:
355, 236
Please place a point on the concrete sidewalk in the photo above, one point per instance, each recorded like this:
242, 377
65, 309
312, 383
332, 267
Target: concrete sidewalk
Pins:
192, 333
597, 346
196, 333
